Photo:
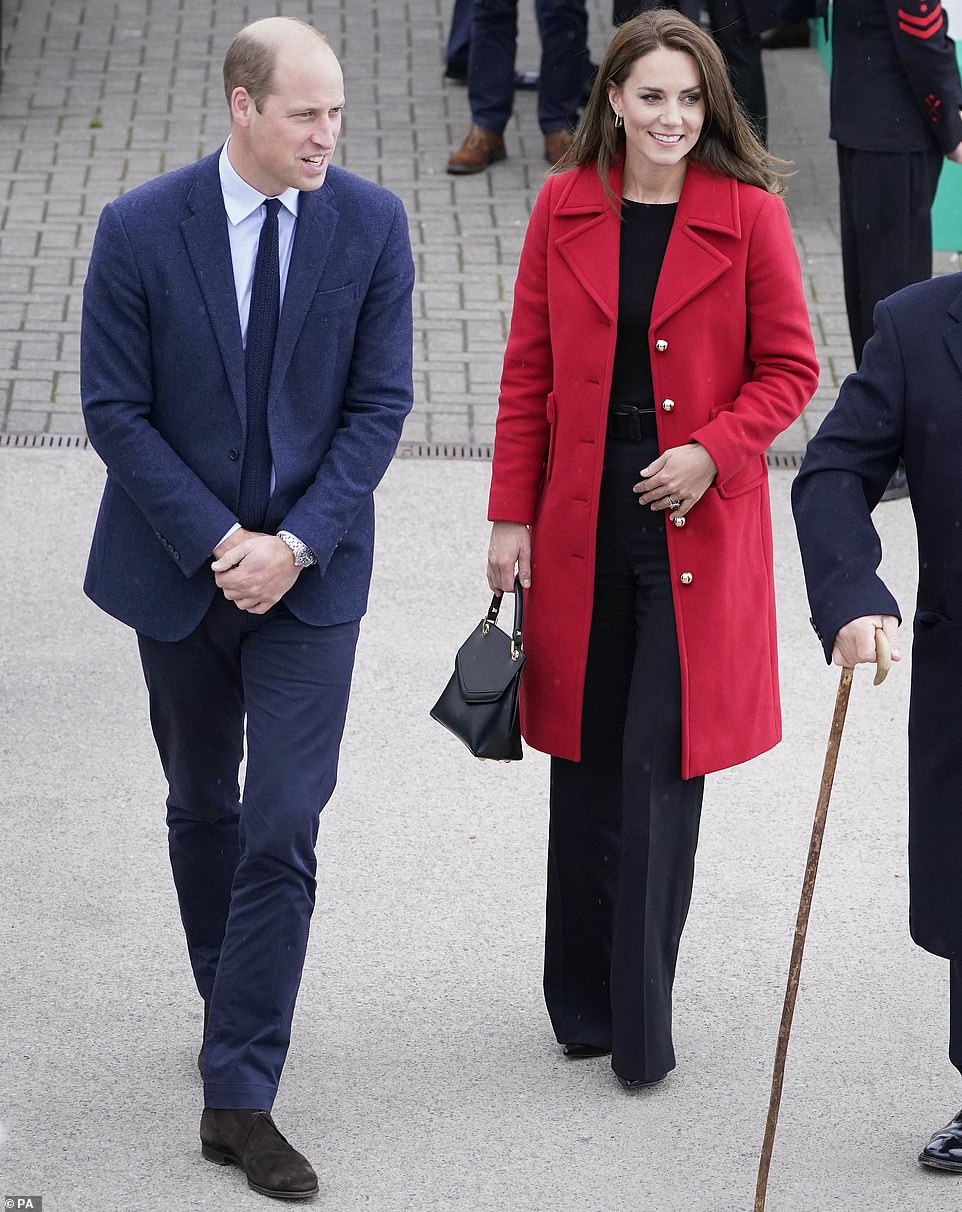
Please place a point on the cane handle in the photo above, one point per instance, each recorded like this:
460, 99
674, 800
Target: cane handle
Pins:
883, 656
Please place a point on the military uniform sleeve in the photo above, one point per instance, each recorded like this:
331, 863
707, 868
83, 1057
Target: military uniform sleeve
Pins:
920, 29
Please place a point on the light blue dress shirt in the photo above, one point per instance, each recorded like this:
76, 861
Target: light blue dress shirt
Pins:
245, 217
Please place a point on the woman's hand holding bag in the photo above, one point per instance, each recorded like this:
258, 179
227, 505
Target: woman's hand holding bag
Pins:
480, 702
509, 550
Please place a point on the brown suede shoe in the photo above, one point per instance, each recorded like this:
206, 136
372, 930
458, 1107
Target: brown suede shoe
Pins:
556, 144
480, 148
250, 1139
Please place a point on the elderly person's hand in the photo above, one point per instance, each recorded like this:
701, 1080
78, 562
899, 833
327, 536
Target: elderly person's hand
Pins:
677, 479
855, 642
510, 547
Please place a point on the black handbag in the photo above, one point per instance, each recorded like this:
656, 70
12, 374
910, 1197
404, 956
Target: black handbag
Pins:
480, 702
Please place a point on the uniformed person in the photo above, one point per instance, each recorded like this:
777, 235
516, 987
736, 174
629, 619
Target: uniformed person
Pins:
895, 98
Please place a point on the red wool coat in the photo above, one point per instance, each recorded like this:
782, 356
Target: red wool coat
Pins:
733, 364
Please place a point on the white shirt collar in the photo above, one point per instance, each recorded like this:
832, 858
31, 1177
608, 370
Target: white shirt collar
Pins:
241, 199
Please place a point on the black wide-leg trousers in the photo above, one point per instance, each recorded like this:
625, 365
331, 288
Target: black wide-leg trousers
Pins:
623, 822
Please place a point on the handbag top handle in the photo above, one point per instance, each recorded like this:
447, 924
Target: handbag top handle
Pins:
491, 618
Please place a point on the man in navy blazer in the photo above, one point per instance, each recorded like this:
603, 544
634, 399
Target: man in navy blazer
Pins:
236, 529
905, 401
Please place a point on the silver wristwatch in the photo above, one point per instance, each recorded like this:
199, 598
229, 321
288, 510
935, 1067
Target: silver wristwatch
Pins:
303, 556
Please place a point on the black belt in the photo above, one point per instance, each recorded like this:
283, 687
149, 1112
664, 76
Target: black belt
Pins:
626, 423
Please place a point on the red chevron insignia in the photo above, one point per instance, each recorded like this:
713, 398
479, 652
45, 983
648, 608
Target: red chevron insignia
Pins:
934, 105
921, 27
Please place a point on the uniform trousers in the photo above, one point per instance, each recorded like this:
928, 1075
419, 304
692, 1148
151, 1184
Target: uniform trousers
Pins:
623, 822
743, 53
885, 210
624, 10
245, 870
563, 26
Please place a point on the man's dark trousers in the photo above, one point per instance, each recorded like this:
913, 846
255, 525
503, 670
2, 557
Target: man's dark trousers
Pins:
459, 36
245, 869
563, 26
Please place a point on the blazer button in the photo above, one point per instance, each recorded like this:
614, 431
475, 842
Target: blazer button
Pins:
678, 521
686, 578
668, 405
661, 346
233, 454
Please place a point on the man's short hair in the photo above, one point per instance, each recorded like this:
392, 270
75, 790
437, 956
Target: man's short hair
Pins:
249, 63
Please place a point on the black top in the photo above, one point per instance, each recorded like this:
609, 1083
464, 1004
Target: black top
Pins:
644, 238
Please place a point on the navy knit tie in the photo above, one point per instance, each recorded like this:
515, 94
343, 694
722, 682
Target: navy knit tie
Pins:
255, 486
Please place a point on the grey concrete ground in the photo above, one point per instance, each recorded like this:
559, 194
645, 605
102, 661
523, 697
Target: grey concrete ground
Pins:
423, 1072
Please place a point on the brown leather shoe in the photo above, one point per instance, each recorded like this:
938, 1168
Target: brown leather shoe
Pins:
250, 1140
480, 148
556, 144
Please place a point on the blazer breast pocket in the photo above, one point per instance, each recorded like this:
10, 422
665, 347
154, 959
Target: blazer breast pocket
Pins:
334, 300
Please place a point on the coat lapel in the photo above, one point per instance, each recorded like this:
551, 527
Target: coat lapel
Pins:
694, 258
208, 244
313, 236
953, 334
589, 237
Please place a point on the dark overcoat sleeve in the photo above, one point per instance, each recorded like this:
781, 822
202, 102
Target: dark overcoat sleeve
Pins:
846, 469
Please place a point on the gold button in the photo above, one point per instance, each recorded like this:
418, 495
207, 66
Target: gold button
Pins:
661, 346
668, 405
686, 578
678, 521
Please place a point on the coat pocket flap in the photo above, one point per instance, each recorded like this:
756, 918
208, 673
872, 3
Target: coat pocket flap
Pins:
484, 665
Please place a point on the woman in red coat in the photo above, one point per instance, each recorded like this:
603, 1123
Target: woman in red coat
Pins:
659, 343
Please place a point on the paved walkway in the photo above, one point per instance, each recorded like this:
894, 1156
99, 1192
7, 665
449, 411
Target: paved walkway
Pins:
424, 1074
100, 96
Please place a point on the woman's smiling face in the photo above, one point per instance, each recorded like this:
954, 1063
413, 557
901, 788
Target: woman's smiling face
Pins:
663, 108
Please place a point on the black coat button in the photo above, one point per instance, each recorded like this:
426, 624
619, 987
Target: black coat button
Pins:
234, 454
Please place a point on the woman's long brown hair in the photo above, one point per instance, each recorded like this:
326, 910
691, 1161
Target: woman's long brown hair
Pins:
727, 142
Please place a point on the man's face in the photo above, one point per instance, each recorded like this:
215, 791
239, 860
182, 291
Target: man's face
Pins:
291, 140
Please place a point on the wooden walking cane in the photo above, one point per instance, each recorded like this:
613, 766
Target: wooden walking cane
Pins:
883, 660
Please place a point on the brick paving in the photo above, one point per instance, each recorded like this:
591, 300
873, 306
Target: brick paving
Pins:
99, 96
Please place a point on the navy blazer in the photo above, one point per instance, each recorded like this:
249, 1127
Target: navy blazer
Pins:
162, 382
905, 400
